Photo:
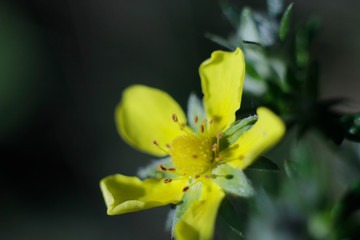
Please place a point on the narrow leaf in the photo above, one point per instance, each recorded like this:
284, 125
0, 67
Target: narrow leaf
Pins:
228, 214
284, 24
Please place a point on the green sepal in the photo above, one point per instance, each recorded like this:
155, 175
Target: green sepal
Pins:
195, 108
232, 180
264, 164
152, 171
235, 130
191, 195
284, 24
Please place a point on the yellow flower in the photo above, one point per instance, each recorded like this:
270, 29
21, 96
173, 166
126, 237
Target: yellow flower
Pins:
205, 159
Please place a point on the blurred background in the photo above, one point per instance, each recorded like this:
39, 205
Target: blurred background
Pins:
63, 67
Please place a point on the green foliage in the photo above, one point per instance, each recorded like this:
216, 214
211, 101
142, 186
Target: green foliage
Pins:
229, 216
315, 193
284, 24
280, 70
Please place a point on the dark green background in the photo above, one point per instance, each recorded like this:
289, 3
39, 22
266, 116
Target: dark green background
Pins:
63, 67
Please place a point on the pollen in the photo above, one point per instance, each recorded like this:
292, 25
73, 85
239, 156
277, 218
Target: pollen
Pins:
192, 154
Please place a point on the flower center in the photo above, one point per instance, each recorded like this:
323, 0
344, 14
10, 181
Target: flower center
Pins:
192, 154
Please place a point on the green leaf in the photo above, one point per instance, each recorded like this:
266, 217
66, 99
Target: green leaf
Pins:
289, 170
345, 209
264, 164
152, 171
248, 29
303, 39
228, 214
235, 130
195, 108
284, 24
232, 180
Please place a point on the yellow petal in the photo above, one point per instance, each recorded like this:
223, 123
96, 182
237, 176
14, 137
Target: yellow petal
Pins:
265, 133
124, 194
198, 221
144, 115
222, 80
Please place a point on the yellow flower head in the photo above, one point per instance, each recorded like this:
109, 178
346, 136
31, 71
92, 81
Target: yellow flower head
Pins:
202, 153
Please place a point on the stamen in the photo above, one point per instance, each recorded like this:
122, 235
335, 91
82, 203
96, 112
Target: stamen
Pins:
202, 128
219, 135
196, 119
196, 176
162, 168
170, 170
174, 118
168, 145
167, 180
185, 189
194, 156
218, 158
214, 147
204, 121
181, 125
207, 176
161, 148
212, 121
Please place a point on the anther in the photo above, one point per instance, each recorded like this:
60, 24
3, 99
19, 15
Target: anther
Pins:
174, 118
161, 148
214, 147
202, 128
219, 135
196, 119
167, 180
162, 168
217, 158
212, 121
168, 145
196, 176
194, 156
171, 169
185, 189
207, 176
